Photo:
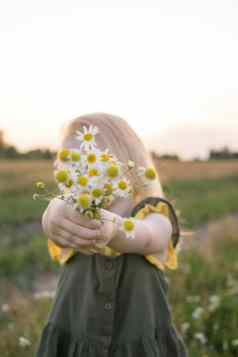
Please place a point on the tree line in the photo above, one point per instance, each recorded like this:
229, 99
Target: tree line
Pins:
8, 151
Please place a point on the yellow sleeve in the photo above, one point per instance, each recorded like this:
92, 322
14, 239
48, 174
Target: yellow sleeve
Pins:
62, 255
162, 207
59, 254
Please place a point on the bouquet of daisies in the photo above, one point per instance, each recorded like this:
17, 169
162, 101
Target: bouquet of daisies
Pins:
89, 178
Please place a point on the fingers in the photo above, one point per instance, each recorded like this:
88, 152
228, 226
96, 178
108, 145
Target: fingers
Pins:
71, 239
60, 240
79, 219
65, 240
79, 232
60, 209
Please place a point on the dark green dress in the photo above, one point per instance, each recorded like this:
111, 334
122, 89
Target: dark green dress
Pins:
112, 307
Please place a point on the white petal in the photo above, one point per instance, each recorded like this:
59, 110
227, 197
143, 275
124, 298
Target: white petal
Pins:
85, 129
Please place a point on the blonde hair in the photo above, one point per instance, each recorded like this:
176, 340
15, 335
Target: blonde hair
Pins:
121, 140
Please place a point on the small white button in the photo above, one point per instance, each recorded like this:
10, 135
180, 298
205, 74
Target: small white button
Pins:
108, 306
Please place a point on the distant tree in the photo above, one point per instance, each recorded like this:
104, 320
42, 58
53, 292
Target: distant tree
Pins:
38, 154
197, 159
2, 139
223, 154
7, 151
10, 151
170, 157
156, 156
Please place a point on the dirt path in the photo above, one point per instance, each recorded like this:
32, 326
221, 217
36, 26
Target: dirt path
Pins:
213, 230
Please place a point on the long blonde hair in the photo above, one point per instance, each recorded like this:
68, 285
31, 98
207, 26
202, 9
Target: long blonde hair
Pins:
121, 140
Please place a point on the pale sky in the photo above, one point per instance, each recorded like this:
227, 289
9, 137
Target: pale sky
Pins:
169, 67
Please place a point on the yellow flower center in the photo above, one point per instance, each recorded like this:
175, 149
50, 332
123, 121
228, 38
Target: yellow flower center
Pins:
128, 224
88, 137
122, 185
69, 183
75, 155
104, 157
84, 200
97, 192
108, 187
113, 171
61, 175
40, 185
91, 158
89, 214
93, 171
150, 173
63, 154
82, 180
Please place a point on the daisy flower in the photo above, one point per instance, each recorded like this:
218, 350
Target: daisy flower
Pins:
83, 201
201, 337
94, 170
24, 342
113, 171
128, 227
130, 164
61, 176
97, 194
91, 157
108, 188
89, 178
40, 185
63, 154
105, 156
69, 197
149, 173
75, 155
83, 181
87, 137
123, 188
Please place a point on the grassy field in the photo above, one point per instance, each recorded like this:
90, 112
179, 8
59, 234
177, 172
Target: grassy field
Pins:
203, 291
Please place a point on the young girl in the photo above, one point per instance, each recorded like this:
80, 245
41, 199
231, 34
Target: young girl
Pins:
112, 301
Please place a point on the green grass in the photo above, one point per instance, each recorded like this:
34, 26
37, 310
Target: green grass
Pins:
205, 283
24, 258
204, 200
199, 201
23, 262
24, 319
20, 207
200, 279
17, 205
26, 252
27, 257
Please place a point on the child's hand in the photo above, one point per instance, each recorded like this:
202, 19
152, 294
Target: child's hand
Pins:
68, 228
108, 228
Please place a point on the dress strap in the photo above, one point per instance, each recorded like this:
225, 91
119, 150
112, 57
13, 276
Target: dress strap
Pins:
154, 201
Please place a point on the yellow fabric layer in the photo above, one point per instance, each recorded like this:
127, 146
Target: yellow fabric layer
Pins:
171, 262
62, 255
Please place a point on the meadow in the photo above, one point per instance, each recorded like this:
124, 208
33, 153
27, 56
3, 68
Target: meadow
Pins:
203, 291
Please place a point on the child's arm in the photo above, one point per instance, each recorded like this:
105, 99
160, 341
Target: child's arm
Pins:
152, 235
68, 228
